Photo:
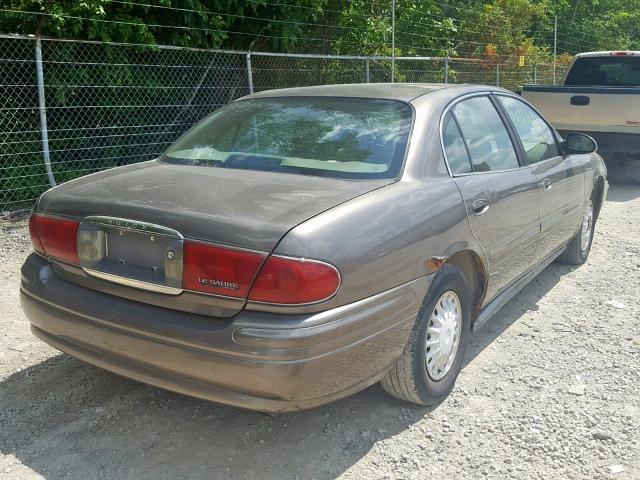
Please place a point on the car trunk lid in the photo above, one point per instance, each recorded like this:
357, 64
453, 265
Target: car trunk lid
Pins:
147, 210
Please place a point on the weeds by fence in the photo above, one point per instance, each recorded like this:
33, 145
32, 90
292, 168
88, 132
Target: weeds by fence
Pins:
103, 105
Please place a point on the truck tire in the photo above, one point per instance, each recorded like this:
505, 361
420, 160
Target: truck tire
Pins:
624, 171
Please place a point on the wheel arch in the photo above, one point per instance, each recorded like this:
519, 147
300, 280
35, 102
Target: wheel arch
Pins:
598, 191
475, 273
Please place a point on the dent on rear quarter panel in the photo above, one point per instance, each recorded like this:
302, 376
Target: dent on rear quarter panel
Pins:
382, 239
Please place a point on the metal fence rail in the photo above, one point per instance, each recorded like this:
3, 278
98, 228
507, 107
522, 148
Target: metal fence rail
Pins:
70, 108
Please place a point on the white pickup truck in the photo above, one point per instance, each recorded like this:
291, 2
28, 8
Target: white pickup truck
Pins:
599, 96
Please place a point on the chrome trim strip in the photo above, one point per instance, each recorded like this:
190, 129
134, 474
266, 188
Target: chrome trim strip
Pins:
133, 225
489, 172
129, 282
127, 224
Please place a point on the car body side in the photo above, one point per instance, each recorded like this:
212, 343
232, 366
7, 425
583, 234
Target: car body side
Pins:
402, 231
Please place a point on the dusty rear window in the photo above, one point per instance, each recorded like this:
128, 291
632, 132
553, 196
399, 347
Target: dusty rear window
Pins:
327, 136
614, 71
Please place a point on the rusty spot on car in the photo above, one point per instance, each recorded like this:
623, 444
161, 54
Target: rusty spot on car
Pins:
434, 263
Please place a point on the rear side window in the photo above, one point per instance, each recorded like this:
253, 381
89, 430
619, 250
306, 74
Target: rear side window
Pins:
536, 136
488, 141
454, 147
615, 71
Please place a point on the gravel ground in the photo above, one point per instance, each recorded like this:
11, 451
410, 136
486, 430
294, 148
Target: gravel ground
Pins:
550, 389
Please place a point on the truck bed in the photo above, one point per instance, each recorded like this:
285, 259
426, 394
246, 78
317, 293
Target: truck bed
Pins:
588, 109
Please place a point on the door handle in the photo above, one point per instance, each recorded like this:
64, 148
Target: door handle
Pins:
546, 184
480, 207
581, 100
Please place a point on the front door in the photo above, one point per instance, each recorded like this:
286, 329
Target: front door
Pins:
501, 196
562, 202
562, 178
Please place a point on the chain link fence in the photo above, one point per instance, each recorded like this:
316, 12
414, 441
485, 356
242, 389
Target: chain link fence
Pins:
103, 105
22, 175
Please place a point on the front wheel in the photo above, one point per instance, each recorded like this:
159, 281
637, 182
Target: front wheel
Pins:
427, 370
578, 249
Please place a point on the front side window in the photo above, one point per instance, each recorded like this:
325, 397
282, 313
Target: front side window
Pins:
536, 136
488, 141
334, 137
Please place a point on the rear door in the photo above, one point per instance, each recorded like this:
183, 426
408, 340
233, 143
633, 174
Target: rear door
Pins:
561, 177
501, 196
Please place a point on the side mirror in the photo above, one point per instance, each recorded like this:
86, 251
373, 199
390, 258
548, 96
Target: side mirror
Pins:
580, 143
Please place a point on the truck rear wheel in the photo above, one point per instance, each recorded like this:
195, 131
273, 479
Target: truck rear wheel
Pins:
623, 171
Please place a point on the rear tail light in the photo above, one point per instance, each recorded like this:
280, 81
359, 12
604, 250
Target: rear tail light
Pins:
55, 237
281, 280
219, 270
290, 281
35, 236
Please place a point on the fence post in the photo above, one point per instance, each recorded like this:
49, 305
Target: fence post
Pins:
497, 74
249, 73
44, 133
446, 70
555, 47
393, 40
367, 74
535, 74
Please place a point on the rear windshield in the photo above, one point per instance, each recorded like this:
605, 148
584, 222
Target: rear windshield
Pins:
333, 137
616, 71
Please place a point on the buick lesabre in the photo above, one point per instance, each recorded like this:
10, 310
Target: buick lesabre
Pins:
299, 245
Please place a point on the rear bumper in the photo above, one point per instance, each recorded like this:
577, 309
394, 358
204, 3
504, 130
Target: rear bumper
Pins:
615, 147
256, 360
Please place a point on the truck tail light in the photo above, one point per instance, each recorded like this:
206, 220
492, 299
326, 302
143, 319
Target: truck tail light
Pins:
54, 237
291, 281
219, 270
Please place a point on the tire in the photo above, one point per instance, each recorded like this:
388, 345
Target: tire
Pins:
624, 171
409, 378
578, 249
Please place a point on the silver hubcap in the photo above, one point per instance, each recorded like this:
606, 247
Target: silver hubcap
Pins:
443, 335
587, 225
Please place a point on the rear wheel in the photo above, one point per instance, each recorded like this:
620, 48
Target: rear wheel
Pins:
431, 361
578, 249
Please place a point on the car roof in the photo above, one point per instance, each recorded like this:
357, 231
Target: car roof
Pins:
389, 91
